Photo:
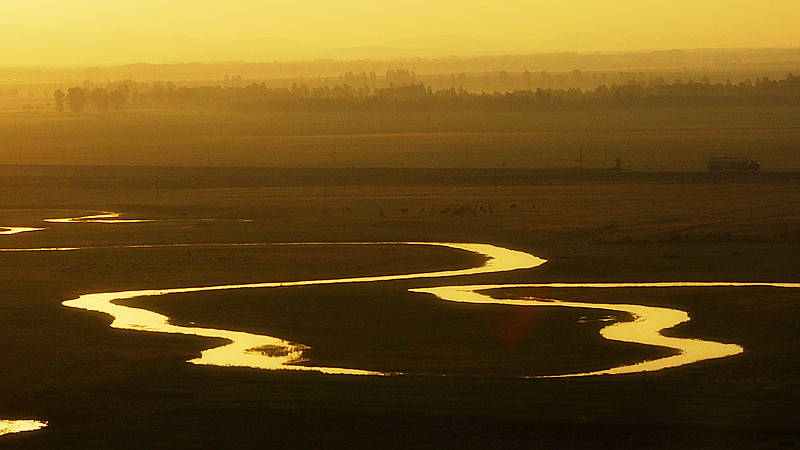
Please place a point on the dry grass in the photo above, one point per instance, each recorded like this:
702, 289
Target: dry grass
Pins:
651, 139
113, 388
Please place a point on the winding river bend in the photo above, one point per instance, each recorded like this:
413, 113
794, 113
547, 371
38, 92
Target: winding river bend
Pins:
644, 329
267, 352
274, 353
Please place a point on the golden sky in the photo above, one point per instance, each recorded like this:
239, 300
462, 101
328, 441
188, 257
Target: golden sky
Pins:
514, 26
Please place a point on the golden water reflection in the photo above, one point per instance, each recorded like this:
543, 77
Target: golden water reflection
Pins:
646, 327
266, 352
106, 217
112, 218
245, 349
19, 426
17, 230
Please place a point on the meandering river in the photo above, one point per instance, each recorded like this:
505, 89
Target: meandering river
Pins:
648, 321
274, 353
267, 352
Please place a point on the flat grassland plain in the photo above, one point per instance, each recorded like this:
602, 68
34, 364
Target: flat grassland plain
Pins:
645, 139
106, 388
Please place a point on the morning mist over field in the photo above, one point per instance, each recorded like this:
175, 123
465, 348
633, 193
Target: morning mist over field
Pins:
360, 224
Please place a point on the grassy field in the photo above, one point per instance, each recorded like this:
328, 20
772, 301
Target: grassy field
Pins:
673, 139
108, 388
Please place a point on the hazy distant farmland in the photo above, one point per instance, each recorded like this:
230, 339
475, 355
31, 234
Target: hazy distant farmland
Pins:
645, 139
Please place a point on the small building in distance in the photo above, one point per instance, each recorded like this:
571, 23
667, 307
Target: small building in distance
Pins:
733, 164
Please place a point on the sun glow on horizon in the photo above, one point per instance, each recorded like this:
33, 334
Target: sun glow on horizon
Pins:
294, 29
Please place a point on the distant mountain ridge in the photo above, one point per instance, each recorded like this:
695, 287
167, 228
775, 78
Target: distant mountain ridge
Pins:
54, 48
70, 57
119, 47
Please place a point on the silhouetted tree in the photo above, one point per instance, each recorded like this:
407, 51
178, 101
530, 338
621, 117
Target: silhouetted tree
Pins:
100, 100
76, 99
527, 78
504, 79
118, 97
636, 93
58, 99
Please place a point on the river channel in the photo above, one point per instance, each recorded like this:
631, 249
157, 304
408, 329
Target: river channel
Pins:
20, 426
274, 353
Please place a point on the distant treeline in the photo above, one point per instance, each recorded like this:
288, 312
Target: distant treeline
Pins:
732, 61
416, 96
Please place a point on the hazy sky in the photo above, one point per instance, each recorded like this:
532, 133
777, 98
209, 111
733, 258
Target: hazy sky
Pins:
519, 26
